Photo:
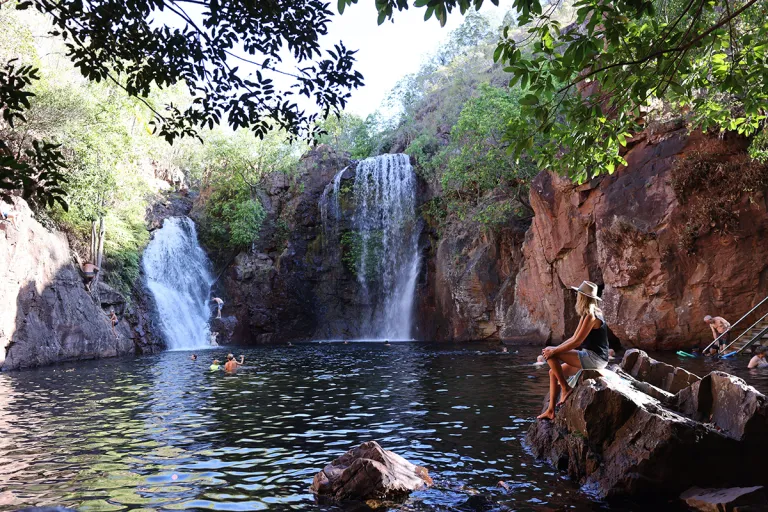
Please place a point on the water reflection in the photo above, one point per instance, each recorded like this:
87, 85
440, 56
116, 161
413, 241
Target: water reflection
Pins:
163, 432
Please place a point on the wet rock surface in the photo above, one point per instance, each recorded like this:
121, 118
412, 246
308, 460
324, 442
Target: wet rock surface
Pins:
369, 472
736, 499
615, 439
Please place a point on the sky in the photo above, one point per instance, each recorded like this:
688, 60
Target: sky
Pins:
388, 52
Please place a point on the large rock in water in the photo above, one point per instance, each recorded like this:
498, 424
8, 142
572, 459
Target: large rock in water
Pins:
47, 316
369, 472
615, 439
741, 499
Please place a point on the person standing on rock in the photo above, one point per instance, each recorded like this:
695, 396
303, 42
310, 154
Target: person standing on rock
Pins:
719, 325
89, 274
587, 349
113, 320
219, 305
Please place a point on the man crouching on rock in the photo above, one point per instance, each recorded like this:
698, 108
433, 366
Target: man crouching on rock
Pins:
591, 338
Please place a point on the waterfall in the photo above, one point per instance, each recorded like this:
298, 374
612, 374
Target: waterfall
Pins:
179, 278
383, 239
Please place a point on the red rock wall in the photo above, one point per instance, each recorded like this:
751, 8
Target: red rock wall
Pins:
622, 232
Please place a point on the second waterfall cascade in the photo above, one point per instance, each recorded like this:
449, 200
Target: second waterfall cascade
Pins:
383, 241
179, 277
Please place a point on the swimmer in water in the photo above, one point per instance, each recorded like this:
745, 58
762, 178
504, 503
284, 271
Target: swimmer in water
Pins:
540, 361
216, 366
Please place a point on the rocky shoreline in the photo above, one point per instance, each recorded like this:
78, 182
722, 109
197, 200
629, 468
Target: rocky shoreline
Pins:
646, 428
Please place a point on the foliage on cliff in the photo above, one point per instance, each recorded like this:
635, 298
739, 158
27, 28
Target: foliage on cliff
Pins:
231, 167
589, 80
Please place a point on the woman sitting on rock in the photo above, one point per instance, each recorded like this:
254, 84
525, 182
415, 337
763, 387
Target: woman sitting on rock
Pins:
587, 348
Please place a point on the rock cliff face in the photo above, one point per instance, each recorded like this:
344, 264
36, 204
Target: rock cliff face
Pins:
469, 282
283, 286
48, 316
627, 233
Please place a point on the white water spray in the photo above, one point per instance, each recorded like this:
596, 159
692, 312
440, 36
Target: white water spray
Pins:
179, 277
385, 240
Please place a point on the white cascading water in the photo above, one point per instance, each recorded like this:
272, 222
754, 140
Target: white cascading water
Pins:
179, 278
386, 239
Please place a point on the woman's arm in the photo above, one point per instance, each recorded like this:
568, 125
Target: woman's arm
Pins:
579, 336
570, 340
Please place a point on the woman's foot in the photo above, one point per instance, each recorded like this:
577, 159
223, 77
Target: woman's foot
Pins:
564, 394
549, 414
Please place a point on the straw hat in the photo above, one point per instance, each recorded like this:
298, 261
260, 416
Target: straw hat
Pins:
589, 289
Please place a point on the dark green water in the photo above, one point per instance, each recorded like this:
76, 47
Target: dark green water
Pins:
163, 432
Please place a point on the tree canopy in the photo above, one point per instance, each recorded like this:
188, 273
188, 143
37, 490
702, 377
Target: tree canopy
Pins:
232, 57
591, 84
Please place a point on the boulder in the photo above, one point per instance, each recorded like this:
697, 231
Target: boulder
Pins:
224, 328
732, 406
619, 436
662, 375
369, 472
735, 499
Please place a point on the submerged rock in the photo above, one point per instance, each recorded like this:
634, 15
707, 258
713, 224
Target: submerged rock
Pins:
743, 499
369, 472
617, 435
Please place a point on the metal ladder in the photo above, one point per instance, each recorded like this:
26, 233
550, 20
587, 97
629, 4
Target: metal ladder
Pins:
755, 333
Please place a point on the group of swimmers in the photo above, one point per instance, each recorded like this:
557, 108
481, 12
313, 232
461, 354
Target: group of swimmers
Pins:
230, 366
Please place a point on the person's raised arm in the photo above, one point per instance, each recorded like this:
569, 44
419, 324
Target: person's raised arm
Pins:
242, 359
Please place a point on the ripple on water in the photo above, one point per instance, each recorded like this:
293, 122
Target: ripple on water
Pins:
163, 432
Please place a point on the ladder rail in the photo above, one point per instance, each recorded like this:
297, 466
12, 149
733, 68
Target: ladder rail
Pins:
735, 324
750, 342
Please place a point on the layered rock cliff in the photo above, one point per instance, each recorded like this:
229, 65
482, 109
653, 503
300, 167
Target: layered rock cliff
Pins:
282, 287
659, 272
48, 316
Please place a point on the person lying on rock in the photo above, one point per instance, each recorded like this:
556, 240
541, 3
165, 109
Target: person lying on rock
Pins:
758, 360
719, 325
232, 364
89, 274
587, 349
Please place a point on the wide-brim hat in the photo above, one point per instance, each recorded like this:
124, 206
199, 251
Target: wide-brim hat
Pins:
589, 289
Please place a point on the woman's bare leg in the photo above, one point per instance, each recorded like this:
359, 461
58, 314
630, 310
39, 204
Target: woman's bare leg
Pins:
570, 359
550, 412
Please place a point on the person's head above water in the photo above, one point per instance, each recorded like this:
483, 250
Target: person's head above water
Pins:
541, 359
761, 351
216, 361
230, 357
194, 357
